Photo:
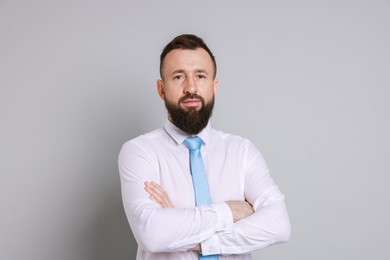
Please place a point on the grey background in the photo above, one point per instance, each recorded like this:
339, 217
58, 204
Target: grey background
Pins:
307, 81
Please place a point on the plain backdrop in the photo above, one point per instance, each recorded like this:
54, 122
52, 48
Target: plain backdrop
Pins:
307, 81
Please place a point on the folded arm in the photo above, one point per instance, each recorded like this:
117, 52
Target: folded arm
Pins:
239, 209
159, 229
268, 225
166, 229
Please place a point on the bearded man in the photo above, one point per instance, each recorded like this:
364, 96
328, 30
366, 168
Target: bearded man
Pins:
190, 191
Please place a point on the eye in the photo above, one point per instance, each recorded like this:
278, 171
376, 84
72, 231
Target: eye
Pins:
177, 77
201, 76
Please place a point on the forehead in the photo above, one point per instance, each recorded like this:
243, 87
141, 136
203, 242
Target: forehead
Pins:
187, 60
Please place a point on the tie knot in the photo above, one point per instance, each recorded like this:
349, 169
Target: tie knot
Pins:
193, 142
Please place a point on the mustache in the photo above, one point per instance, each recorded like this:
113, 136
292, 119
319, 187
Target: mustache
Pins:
191, 96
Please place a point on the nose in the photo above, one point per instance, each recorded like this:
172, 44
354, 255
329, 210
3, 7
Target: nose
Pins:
190, 86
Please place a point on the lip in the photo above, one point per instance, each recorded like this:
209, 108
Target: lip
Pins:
191, 102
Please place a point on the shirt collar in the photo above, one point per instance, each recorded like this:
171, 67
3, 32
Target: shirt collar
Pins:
178, 135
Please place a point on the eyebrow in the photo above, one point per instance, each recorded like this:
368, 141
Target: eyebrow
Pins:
202, 71
180, 71
177, 72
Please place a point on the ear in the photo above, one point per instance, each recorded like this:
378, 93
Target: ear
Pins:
216, 82
160, 89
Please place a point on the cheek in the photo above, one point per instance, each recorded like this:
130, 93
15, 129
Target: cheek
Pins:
208, 92
172, 97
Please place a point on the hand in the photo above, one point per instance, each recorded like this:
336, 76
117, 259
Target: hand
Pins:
240, 209
197, 248
157, 194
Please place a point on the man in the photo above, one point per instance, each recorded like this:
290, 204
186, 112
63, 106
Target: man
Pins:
183, 202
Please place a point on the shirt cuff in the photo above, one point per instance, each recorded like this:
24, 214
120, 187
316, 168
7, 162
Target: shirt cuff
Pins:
224, 215
212, 245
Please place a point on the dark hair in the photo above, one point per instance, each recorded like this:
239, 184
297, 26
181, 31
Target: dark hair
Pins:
186, 42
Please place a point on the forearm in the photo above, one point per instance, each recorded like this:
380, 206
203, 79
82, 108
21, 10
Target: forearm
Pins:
159, 229
270, 222
268, 225
239, 209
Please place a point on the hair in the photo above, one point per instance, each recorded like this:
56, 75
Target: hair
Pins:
186, 42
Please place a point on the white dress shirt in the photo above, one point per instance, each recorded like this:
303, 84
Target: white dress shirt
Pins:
235, 171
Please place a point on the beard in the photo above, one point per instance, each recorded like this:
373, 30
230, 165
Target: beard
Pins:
192, 121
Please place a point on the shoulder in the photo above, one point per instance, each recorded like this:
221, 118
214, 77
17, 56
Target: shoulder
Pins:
229, 139
144, 142
234, 142
240, 147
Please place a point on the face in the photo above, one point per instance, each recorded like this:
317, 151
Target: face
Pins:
187, 71
188, 87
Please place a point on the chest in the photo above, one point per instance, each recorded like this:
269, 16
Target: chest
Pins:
224, 174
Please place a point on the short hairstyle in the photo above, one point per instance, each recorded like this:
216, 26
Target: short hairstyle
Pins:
186, 42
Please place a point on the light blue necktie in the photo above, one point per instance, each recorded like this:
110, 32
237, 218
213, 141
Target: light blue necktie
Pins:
199, 178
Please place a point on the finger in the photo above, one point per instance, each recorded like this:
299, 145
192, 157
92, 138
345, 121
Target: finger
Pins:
153, 198
160, 198
153, 192
159, 194
162, 203
157, 189
153, 186
169, 204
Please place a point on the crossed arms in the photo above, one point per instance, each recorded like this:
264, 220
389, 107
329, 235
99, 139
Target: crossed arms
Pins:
230, 227
239, 209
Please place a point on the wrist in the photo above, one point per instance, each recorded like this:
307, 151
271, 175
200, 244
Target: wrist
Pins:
197, 248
